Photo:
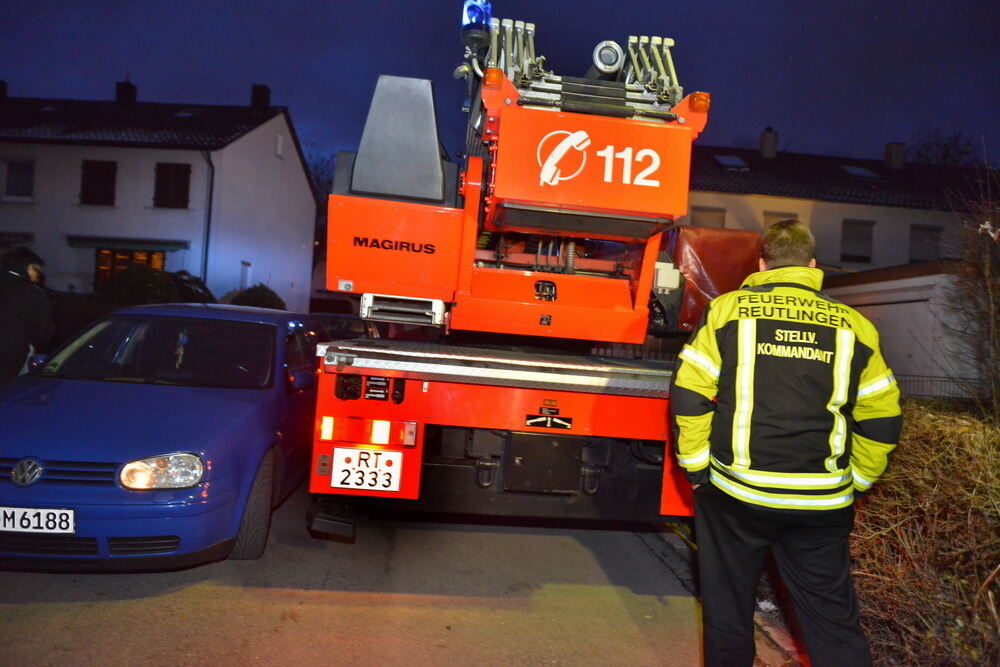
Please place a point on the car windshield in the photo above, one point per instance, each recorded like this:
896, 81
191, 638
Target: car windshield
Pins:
188, 351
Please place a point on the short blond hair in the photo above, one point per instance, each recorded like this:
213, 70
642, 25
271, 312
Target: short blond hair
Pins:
787, 243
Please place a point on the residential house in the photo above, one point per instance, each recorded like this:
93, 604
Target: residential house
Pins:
865, 213
881, 227
220, 191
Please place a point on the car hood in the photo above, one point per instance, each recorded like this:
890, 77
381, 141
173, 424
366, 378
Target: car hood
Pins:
79, 420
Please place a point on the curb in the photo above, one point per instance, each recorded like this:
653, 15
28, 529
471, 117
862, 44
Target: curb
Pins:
775, 646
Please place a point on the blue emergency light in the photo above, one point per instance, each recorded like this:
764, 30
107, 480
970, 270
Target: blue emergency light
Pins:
476, 14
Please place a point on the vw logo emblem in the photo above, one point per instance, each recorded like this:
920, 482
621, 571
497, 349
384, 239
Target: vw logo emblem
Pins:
27, 472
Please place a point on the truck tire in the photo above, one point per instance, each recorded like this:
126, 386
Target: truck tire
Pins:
251, 539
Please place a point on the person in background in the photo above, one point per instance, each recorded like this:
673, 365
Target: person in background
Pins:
785, 412
25, 311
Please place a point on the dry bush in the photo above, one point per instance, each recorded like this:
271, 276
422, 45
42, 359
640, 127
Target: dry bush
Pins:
975, 298
926, 545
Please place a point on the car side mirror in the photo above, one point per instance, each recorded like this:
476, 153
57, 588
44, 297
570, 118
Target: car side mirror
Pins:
36, 361
300, 380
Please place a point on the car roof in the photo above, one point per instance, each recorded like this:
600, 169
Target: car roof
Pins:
217, 311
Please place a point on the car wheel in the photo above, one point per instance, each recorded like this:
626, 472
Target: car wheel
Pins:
256, 522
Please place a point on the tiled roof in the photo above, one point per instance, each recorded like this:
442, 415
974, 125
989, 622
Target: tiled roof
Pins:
145, 124
825, 178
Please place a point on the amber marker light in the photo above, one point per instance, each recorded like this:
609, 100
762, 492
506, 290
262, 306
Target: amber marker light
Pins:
700, 101
492, 78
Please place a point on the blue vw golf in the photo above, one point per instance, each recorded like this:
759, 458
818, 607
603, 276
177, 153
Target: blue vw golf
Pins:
160, 437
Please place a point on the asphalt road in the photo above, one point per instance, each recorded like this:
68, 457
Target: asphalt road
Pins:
404, 593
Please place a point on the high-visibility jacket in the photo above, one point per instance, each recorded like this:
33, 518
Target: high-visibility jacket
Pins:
781, 397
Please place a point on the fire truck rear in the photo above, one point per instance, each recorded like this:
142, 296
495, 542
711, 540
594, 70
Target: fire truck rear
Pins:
542, 248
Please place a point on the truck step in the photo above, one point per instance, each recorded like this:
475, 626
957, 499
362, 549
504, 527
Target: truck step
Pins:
326, 515
388, 308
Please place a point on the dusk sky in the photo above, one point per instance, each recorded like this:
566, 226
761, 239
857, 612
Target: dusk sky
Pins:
836, 78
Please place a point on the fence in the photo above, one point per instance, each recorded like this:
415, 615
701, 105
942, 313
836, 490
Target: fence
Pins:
931, 386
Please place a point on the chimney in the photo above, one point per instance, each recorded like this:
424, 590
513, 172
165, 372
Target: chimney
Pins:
260, 97
125, 93
895, 155
3, 90
769, 143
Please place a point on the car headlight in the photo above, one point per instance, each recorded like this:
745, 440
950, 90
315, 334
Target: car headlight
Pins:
170, 471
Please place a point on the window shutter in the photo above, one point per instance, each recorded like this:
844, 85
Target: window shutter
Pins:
856, 240
97, 182
173, 183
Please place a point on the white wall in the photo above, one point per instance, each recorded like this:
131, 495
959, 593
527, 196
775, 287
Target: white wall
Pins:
56, 212
890, 236
264, 214
920, 335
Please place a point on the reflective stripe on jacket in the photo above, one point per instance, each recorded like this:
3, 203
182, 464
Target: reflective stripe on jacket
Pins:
782, 398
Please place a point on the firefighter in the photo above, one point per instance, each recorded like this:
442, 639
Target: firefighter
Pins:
784, 412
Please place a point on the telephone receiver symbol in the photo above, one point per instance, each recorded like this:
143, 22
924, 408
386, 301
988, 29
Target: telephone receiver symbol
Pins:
550, 170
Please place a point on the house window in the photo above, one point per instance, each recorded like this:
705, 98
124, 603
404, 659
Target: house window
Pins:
97, 182
856, 240
173, 181
110, 261
10, 239
925, 243
702, 216
771, 217
732, 162
859, 172
18, 180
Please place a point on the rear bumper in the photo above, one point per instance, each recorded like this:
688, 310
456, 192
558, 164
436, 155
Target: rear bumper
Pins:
631, 497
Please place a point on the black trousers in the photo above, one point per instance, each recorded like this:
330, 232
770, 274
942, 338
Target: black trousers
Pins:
811, 551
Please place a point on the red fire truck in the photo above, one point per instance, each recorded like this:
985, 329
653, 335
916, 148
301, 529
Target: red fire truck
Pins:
542, 265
